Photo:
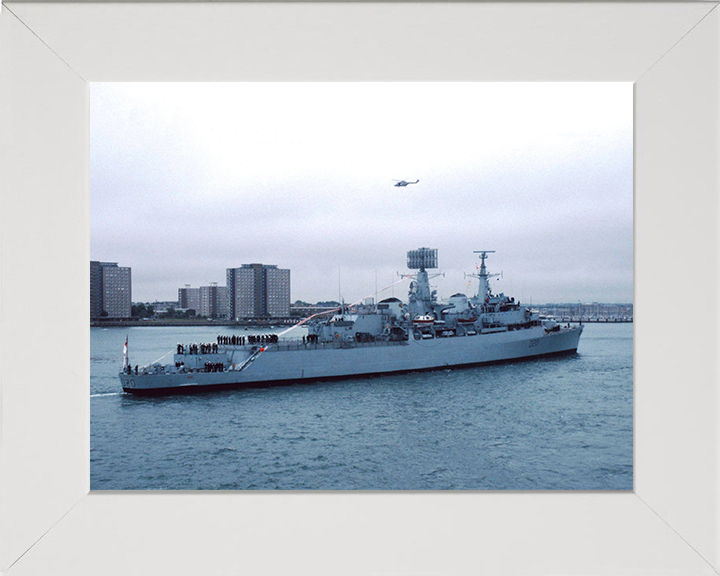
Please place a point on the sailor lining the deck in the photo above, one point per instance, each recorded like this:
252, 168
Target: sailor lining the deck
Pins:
213, 366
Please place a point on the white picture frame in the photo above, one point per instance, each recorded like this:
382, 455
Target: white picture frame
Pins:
49, 522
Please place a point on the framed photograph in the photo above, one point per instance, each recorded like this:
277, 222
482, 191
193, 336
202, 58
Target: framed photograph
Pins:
443, 368
49, 518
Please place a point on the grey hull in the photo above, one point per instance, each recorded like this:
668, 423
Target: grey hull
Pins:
288, 365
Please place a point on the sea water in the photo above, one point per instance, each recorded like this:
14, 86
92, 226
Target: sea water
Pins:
551, 424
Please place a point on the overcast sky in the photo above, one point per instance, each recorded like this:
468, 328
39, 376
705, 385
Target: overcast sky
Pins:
190, 179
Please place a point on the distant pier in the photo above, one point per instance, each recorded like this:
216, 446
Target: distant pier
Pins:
576, 320
243, 322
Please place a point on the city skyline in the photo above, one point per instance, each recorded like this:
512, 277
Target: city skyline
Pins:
470, 291
188, 180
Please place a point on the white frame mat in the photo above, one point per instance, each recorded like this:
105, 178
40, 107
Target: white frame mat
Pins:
50, 523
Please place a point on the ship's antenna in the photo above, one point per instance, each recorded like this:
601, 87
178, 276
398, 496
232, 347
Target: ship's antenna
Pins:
304, 320
483, 277
376, 292
162, 357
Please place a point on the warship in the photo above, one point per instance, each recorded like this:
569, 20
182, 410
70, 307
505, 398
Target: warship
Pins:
389, 337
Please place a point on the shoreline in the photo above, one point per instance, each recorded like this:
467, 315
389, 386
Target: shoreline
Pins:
259, 323
277, 322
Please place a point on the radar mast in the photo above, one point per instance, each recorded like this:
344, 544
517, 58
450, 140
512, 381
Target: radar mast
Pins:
420, 297
483, 277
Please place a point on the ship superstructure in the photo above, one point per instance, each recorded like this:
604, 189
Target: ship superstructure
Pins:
424, 333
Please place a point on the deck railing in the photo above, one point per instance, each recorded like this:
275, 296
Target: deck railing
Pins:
288, 345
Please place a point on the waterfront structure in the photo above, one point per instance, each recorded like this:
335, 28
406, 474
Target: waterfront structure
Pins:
110, 290
258, 290
591, 312
161, 308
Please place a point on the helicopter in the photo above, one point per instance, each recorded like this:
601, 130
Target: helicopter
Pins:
403, 183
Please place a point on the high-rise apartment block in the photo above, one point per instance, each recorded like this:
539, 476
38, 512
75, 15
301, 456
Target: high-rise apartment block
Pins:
213, 301
258, 290
110, 290
189, 299
208, 301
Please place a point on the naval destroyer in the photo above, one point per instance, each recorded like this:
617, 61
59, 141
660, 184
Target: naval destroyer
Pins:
392, 336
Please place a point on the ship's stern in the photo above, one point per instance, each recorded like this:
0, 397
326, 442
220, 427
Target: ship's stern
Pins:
128, 381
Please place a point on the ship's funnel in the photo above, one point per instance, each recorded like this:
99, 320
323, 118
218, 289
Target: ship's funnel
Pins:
422, 258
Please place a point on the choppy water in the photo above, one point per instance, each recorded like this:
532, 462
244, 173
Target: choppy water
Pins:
557, 424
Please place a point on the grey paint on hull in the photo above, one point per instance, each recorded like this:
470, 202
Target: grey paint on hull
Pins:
323, 363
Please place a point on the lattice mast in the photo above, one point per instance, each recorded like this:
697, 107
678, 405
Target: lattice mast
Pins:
482, 276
